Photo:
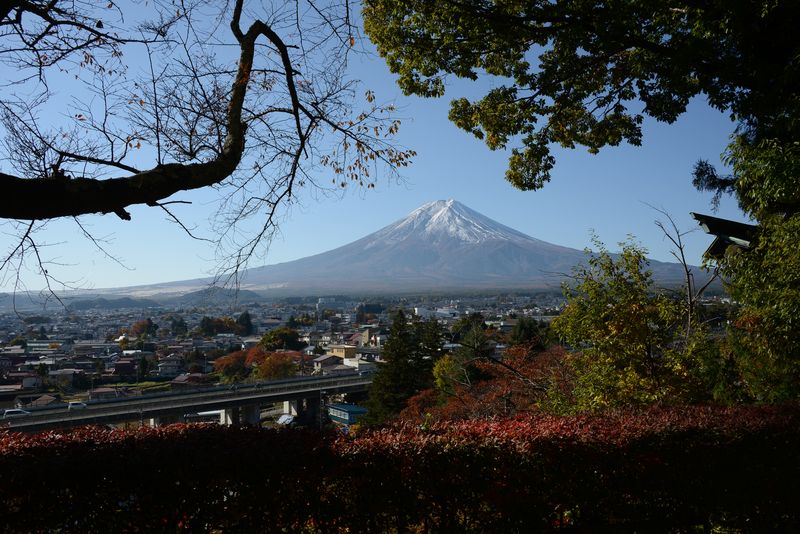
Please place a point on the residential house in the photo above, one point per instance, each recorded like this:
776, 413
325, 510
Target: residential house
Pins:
26, 379
37, 401
191, 381
93, 348
355, 339
250, 341
170, 366
64, 377
345, 414
369, 354
324, 362
362, 366
342, 351
312, 339
125, 367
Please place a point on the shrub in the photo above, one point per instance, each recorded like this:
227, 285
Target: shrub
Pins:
663, 469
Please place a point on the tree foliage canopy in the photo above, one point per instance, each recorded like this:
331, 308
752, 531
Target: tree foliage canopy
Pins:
625, 333
245, 323
144, 327
281, 338
211, 326
270, 365
231, 367
766, 333
529, 332
577, 72
255, 364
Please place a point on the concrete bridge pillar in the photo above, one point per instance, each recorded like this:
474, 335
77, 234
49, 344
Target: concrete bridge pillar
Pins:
291, 407
312, 409
163, 420
232, 416
242, 415
251, 415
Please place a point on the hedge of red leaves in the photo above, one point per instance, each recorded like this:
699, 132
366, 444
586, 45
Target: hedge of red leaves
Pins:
658, 470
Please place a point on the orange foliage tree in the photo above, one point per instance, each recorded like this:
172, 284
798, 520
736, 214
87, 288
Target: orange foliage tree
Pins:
255, 363
232, 366
274, 366
145, 326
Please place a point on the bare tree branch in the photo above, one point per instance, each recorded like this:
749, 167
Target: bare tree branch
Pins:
228, 96
675, 236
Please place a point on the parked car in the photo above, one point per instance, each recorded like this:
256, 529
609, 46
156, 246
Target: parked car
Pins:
15, 412
76, 405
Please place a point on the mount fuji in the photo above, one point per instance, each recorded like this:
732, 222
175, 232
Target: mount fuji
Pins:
441, 246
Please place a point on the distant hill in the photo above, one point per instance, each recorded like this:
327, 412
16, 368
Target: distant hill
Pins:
211, 296
110, 304
183, 294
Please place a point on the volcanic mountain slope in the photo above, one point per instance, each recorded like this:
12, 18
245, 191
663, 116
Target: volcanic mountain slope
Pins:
442, 245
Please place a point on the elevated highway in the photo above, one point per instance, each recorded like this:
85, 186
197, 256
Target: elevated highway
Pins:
236, 400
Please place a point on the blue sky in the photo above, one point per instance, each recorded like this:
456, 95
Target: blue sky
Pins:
606, 193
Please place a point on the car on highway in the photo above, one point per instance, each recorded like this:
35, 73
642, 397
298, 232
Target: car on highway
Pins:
14, 412
76, 405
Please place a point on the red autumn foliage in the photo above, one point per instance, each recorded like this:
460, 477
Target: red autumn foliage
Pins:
235, 360
255, 356
515, 385
657, 470
240, 359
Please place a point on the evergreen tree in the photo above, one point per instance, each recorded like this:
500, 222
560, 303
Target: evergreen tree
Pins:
459, 368
527, 331
245, 324
409, 355
466, 323
178, 326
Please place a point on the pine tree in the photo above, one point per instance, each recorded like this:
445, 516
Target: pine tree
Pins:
245, 324
409, 355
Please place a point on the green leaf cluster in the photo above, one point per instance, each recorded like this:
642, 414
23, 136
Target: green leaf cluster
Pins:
580, 72
459, 367
766, 337
626, 335
764, 278
282, 337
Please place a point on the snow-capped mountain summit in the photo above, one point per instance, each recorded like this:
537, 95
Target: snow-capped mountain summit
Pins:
444, 220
